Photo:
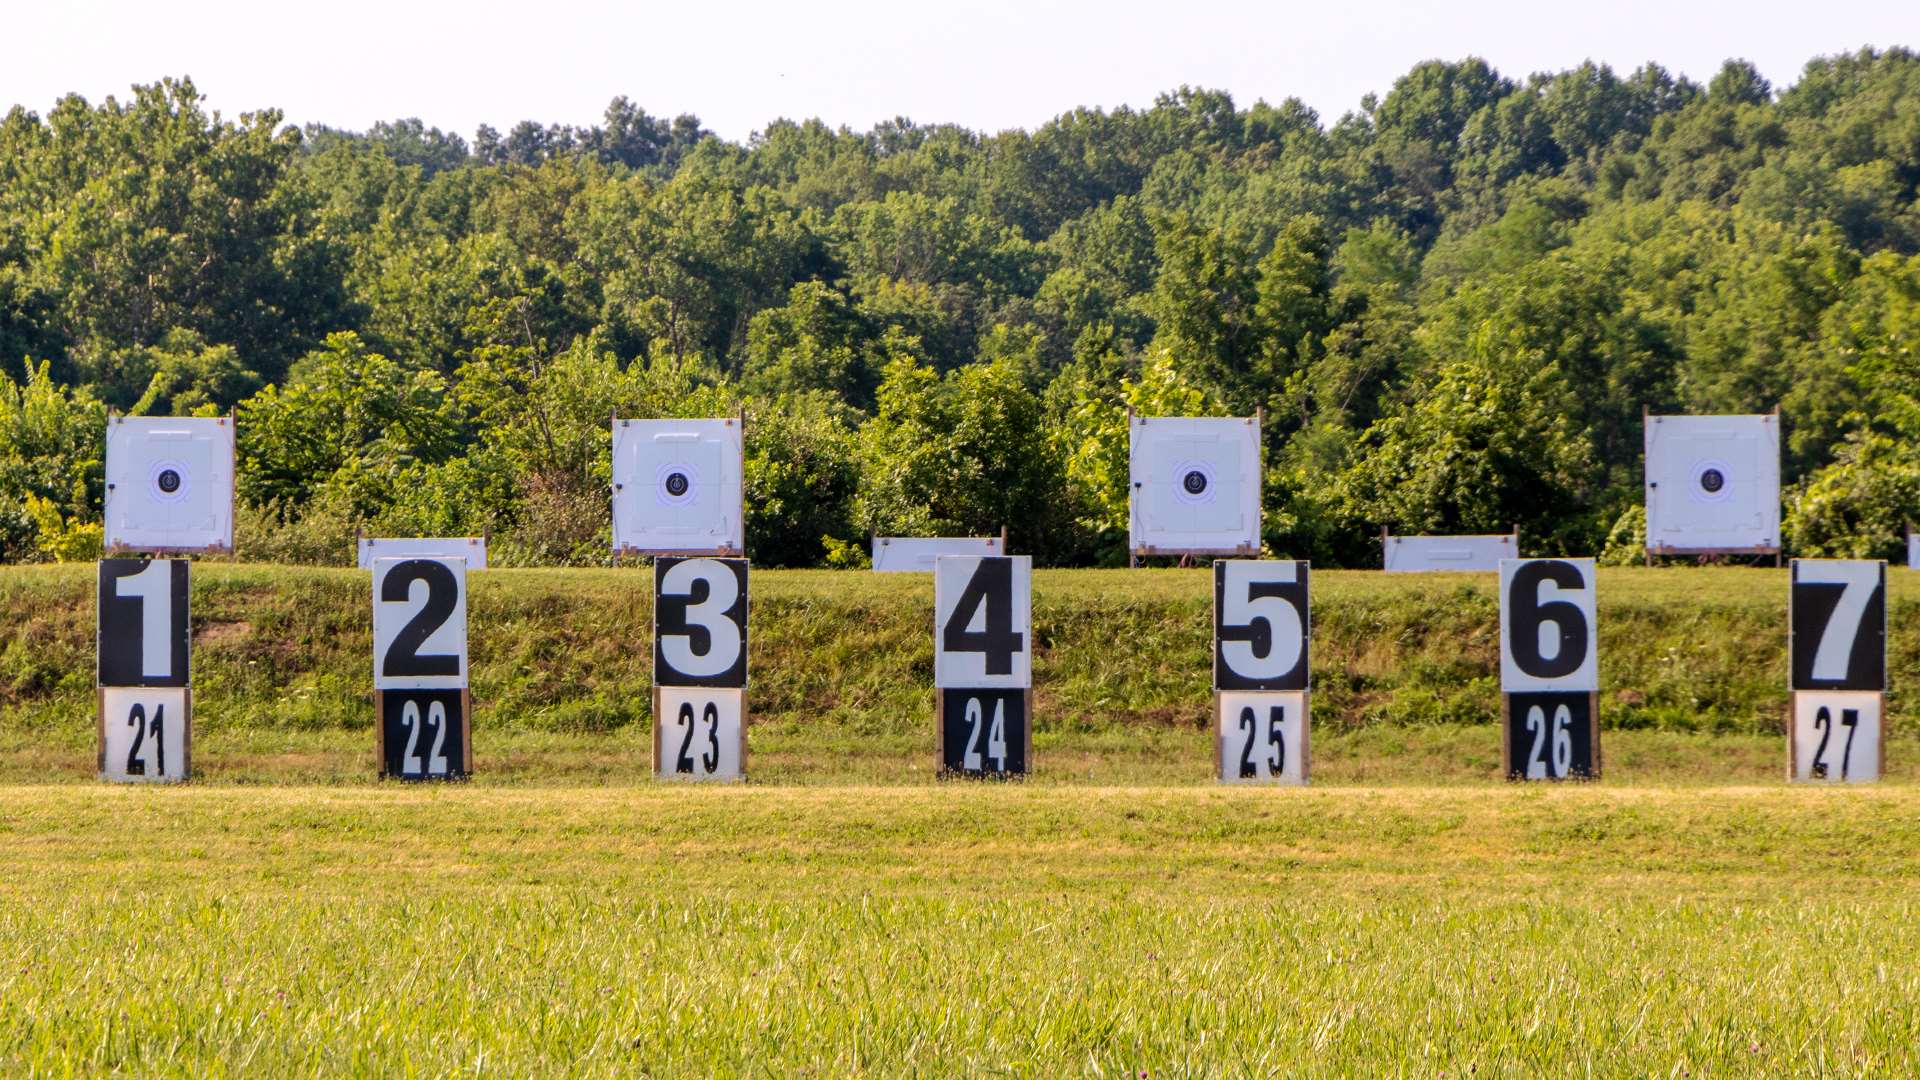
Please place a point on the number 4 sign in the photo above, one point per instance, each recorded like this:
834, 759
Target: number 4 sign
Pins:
1837, 620
983, 662
1549, 670
420, 668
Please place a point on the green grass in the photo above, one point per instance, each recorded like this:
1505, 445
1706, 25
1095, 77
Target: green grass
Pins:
1031, 930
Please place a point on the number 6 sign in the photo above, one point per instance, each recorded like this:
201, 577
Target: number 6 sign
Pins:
420, 668
1549, 669
1837, 619
983, 662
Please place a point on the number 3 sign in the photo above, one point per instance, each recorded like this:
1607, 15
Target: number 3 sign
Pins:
983, 662
1837, 618
699, 668
1549, 669
420, 668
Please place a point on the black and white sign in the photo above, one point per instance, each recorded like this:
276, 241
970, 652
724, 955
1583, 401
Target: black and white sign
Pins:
1713, 483
1261, 737
424, 735
982, 628
1194, 485
699, 733
1551, 736
984, 732
169, 484
700, 622
1838, 615
1836, 736
143, 626
677, 487
144, 733
1261, 625
419, 624
1548, 638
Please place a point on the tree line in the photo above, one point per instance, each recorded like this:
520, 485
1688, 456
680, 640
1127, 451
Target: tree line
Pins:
1452, 304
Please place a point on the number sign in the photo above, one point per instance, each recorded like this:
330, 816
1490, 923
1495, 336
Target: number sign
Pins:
419, 624
1836, 736
143, 637
1261, 737
982, 635
699, 733
424, 735
144, 733
700, 622
1551, 736
1838, 619
1547, 627
984, 732
1260, 625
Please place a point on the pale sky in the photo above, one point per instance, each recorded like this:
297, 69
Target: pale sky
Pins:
990, 65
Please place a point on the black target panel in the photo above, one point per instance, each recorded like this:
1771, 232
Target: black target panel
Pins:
700, 622
423, 734
142, 622
1550, 735
1839, 625
984, 732
1261, 623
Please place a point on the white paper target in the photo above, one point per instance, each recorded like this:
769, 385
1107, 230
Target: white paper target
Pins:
1425, 554
1713, 483
1836, 736
143, 734
471, 548
169, 484
1262, 737
698, 734
915, 554
1549, 638
1194, 485
677, 487
419, 624
983, 622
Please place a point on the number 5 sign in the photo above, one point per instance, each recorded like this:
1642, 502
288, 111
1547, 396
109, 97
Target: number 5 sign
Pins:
1837, 619
1260, 631
1549, 669
983, 662
420, 668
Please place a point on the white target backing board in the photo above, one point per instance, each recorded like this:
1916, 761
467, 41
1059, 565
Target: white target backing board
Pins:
145, 733
1428, 554
1549, 638
699, 733
1713, 484
983, 622
1913, 550
471, 548
419, 624
915, 554
1836, 737
169, 484
1260, 737
677, 487
1194, 485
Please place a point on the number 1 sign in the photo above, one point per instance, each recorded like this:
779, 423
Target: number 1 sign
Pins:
1260, 633
983, 663
420, 668
1549, 669
143, 677
1837, 622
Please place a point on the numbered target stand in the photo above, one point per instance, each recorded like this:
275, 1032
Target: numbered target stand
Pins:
1261, 628
420, 668
983, 664
145, 692
1549, 670
699, 669
1837, 650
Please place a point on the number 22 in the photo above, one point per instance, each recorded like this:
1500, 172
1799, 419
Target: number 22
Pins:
436, 764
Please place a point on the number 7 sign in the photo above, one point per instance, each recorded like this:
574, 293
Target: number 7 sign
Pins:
1837, 630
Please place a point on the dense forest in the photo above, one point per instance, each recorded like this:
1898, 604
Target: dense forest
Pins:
1452, 304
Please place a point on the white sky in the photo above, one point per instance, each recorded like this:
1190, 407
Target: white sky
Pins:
990, 65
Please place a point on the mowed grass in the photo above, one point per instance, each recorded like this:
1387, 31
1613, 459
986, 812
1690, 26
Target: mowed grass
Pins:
959, 929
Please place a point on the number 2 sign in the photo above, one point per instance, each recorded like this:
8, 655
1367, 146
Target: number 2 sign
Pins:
420, 668
983, 662
1837, 620
1261, 623
1549, 669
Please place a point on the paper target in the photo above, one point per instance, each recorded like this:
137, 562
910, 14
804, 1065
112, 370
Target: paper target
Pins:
169, 484
699, 733
982, 623
419, 624
1713, 484
677, 487
145, 733
471, 548
1548, 635
1260, 738
1194, 486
